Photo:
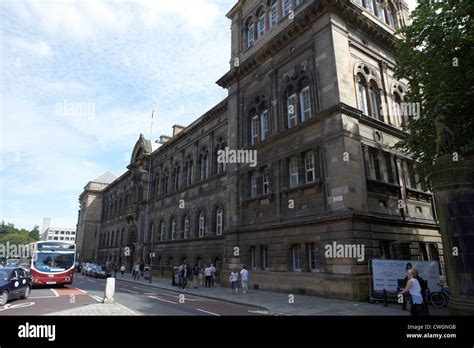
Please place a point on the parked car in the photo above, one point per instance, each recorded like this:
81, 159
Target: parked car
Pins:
100, 272
88, 269
15, 283
13, 262
84, 268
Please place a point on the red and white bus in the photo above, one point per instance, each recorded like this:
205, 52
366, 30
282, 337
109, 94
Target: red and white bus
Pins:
52, 263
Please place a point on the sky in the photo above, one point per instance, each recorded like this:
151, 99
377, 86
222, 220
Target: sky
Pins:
79, 80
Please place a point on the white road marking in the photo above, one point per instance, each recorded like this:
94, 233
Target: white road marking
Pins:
55, 292
42, 296
134, 287
160, 299
83, 291
97, 298
133, 292
202, 310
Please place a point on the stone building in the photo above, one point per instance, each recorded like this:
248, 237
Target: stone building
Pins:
311, 90
89, 216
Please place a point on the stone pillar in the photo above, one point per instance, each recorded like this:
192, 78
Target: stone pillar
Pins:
453, 188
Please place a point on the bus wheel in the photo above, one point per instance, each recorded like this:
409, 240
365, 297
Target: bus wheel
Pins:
4, 298
26, 294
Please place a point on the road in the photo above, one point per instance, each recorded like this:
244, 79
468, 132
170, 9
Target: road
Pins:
141, 298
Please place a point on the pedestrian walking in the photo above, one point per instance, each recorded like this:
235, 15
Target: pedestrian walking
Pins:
233, 279
115, 270
122, 269
137, 272
183, 275
196, 275
244, 279
213, 275
141, 269
201, 276
413, 288
208, 275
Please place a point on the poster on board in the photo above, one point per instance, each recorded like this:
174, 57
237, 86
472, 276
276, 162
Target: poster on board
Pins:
385, 273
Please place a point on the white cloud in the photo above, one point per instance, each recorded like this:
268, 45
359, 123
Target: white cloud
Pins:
38, 48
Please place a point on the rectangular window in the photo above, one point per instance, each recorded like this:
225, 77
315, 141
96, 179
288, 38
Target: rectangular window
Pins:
264, 125
362, 97
388, 164
313, 254
253, 185
286, 7
291, 105
305, 104
274, 14
162, 231
411, 182
266, 182
253, 257
379, 9
265, 259
254, 130
296, 253
294, 172
368, 5
309, 167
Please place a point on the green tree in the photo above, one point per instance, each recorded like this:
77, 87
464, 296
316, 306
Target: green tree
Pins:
35, 234
436, 55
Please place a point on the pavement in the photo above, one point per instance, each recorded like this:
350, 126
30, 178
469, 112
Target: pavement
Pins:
97, 309
275, 303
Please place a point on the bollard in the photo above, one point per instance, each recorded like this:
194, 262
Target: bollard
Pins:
385, 304
109, 291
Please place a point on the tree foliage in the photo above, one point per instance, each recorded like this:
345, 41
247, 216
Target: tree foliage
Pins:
436, 55
9, 233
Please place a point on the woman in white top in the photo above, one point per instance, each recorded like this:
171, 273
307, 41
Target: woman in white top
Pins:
233, 280
413, 287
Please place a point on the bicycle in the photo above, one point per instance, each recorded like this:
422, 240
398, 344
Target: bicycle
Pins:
439, 299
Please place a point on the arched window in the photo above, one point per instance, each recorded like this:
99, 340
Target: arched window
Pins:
203, 165
200, 227
185, 227
260, 23
250, 32
219, 222
165, 181
362, 93
397, 101
253, 127
375, 107
298, 103
162, 230
188, 171
173, 229
176, 176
